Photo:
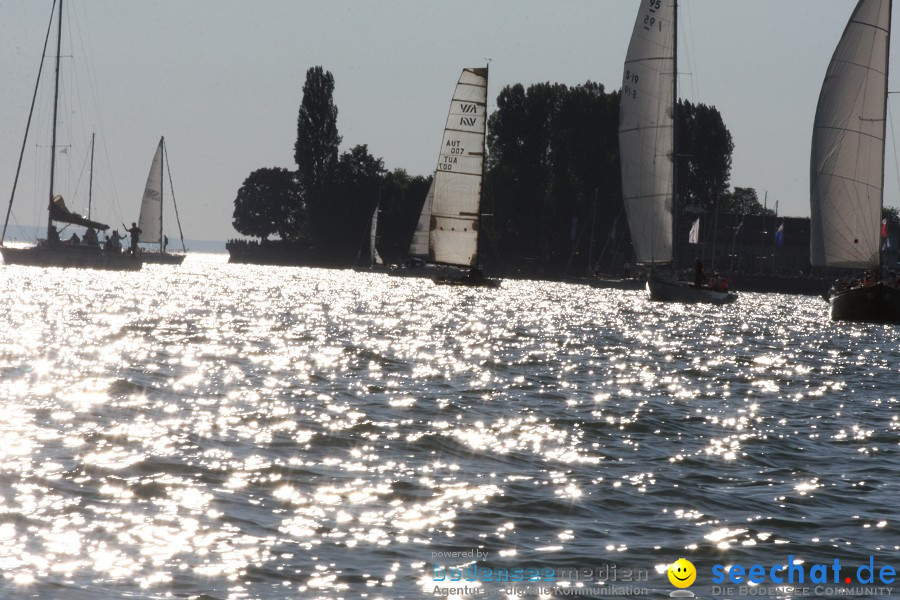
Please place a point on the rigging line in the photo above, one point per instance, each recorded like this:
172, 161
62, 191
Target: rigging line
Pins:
172, 190
28, 124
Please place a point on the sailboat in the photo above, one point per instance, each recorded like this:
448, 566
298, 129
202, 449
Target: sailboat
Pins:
647, 149
847, 168
455, 203
373, 238
150, 221
52, 252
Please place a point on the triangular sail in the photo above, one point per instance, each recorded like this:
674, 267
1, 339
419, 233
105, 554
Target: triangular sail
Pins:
847, 162
373, 251
150, 221
457, 180
419, 245
646, 131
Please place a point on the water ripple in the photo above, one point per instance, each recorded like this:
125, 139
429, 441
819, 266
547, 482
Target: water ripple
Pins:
225, 431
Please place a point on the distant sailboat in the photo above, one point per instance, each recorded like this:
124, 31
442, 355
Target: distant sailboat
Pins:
51, 252
847, 167
455, 202
647, 149
150, 221
373, 238
418, 247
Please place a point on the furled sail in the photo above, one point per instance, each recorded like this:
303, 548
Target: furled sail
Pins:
419, 245
60, 213
373, 251
150, 221
646, 131
847, 162
455, 210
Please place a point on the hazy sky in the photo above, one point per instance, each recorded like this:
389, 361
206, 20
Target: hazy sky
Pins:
222, 80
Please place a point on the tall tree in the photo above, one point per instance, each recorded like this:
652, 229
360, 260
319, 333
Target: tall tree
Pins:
270, 202
343, 224
743, 201
316, 153
519, 144
704, 148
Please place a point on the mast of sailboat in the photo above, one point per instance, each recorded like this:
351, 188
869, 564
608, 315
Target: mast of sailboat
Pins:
887, 71
483, 161
55, 112
674, 133
91, 178
162, 142
27, 126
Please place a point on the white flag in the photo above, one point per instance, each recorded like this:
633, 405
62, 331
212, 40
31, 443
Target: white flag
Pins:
694, 235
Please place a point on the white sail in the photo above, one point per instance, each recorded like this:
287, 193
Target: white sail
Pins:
373, 251
646, 131
150, 221
847, 162
419, 244
457, 180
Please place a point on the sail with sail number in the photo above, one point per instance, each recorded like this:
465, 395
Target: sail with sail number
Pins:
646, 131
455, 209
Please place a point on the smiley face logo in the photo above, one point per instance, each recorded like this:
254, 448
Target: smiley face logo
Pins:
682, 573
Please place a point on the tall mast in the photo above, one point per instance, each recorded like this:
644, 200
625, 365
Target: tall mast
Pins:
674, 133
887, 70
162, 142
55, 112
91, 179
483, 161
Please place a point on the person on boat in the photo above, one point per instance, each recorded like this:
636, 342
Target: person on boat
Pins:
699, 275
135, 233
90, 237
74, 240
53, 235
165, 242
114, 241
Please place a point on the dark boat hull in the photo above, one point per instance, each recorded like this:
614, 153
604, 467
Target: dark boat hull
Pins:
664, 290
75, 257
878, 303
161, 258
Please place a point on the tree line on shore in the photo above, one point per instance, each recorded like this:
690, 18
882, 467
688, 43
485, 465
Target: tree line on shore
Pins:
551, 194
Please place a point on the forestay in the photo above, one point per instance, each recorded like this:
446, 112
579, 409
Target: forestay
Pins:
847, 163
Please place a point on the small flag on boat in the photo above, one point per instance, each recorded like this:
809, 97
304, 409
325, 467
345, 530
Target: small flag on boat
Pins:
694, 235
779, 236
884, 228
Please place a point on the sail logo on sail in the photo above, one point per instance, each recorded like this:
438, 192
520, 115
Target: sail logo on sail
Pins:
468, 109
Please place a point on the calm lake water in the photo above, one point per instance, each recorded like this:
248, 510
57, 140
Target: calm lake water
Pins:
224, 431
